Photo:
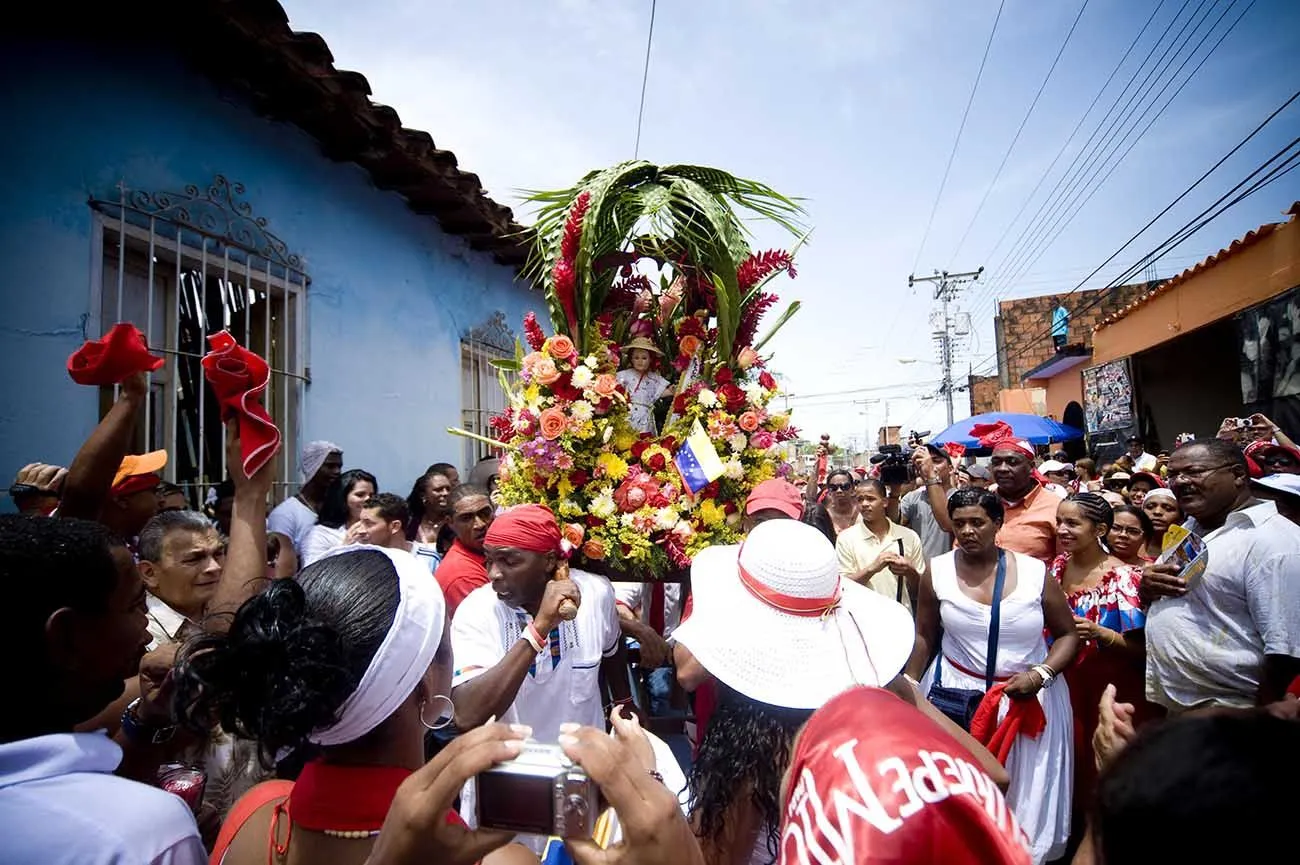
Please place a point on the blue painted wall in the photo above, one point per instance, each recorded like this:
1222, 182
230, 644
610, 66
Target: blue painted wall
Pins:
390, 296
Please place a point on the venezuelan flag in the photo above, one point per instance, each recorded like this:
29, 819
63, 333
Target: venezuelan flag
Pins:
697, 460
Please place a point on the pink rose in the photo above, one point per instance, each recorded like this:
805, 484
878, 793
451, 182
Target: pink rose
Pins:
761, 440
545, 372
747, 358
748, 421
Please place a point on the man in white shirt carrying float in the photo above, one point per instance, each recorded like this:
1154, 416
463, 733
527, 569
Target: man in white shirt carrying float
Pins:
517, 658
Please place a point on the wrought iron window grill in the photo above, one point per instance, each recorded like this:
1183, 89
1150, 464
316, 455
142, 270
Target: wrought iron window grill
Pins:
182, 266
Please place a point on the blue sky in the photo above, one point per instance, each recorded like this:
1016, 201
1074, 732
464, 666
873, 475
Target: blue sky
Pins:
854, 107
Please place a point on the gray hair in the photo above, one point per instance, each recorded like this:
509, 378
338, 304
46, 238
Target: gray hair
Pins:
154, 533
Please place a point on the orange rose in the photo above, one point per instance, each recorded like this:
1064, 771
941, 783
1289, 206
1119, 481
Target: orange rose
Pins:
530, 360
594, 549
748, 421
605, 384
554, 423
689, 345
560, 347
574, 533
545, 373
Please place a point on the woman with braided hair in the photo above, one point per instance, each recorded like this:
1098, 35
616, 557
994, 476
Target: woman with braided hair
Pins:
1108, 617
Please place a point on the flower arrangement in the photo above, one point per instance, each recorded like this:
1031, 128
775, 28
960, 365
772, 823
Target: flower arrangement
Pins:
639, 251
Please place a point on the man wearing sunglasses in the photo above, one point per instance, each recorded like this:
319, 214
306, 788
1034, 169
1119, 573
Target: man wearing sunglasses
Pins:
1230, 637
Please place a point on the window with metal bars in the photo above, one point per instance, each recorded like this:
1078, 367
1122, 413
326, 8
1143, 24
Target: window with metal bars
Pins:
481, 393
182, 267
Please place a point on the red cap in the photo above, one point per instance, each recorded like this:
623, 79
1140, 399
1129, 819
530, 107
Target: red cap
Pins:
1000, 436
895, 789
777, 495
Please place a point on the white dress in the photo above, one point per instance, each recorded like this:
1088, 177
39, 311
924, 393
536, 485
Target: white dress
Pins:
643, 391
1042, 769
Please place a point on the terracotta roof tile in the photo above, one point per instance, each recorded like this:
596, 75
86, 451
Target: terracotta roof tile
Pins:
1251, 238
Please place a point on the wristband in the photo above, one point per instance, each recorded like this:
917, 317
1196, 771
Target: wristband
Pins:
1045, 673
534, 638
138, 731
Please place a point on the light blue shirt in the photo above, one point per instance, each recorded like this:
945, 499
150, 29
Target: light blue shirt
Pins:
61, 804
1060, 322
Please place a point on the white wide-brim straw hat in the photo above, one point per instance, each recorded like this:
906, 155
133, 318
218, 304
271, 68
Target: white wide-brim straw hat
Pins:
773, 619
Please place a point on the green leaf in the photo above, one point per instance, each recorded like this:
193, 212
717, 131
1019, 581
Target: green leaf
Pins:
771, 331
505, 364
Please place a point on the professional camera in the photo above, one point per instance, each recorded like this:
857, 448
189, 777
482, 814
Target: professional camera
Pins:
540, 792
895, 466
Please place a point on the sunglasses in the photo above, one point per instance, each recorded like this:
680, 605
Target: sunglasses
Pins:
839, 488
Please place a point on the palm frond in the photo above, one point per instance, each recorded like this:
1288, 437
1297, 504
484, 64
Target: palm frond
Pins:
771, 331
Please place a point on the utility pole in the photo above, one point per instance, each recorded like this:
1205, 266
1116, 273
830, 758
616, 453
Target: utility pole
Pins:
946, 288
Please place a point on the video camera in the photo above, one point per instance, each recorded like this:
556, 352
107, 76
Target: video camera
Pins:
895, 466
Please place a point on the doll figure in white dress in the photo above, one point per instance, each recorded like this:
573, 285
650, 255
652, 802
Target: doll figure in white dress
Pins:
644, 386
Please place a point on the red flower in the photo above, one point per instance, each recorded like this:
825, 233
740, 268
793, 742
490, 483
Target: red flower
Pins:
656, 463
533, 332
564, 389
669, 443
750, 317
766, 380
679, 404
732, 397
729, 507
593, 520
711, 491
579, 478
638, 448
723, 376
762, 264
573, 227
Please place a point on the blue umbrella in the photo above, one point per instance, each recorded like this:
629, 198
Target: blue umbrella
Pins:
1030, 427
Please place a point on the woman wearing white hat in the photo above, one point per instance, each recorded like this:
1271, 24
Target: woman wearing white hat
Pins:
644, 386
782, 633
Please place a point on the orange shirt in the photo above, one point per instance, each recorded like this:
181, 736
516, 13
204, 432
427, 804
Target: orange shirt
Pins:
1029, 527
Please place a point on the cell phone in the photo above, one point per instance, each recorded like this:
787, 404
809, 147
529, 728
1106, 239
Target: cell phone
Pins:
540, 792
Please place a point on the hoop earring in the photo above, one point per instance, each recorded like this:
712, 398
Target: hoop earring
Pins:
442, 722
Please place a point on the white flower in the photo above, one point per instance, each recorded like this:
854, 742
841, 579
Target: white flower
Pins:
570, 508
627, 520
738, 442
609, 431
733, 470
603, 506
592, 361
665, 519
683, 531
582, 376
756, 394
581, 411
707, 398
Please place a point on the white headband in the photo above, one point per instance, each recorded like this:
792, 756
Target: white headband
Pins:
403, 657
313, 456
1162, 492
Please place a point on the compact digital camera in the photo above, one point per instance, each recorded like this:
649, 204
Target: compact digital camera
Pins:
540, 792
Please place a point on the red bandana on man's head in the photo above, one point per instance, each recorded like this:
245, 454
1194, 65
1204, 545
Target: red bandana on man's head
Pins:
917, 795
999, 436
526, 527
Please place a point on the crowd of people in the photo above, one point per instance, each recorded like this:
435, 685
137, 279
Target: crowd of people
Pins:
994, 662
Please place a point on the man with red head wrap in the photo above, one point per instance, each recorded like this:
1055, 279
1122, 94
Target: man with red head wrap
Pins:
896, 790
1030, 507
518, 656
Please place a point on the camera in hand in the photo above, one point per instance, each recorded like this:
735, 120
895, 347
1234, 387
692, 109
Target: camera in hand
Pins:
895, 467
540, 792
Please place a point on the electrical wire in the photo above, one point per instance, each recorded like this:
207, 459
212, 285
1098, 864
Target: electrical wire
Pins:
960, 128
1015, 138
645, 77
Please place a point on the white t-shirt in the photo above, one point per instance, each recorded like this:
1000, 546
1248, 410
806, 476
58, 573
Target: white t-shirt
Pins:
1208, 647
292, 519
319, 541
564, 683
638, 597
61, 802
1145, 463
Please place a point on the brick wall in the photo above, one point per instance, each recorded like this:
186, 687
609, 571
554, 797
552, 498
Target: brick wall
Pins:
1026, 326
983, 394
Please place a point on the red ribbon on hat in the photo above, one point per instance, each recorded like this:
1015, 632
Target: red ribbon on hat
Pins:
122, 353
795, 605
1000, 435
239, 378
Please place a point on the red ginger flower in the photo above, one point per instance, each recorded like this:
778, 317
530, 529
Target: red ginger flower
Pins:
573, 227
759, 265
533, 332
750, 316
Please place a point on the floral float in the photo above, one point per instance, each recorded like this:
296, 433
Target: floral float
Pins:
658, 256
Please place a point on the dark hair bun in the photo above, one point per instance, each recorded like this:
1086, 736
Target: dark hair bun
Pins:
277, 676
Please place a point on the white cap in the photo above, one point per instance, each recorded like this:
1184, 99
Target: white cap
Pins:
1054, 466
1285, 483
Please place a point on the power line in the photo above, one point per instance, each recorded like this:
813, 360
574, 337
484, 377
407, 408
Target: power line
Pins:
1071, 209
1055, 206
1204, 218
645, 77
858, 390
1024, 120
960, 128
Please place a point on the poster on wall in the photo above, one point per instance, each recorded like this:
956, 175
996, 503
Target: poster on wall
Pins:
1108, 396
1270, 349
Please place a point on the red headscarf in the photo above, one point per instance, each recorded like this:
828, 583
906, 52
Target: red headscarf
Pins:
999, 436
526, 527
954, 449
905, 791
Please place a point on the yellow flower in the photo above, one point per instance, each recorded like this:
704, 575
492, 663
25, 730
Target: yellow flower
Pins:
564, 488
711, 514
611, 466
778, 421
623, 442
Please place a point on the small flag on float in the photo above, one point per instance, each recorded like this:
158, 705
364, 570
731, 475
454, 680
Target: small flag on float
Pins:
697, 460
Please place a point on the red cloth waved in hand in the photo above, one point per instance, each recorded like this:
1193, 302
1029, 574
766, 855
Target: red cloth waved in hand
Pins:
239, 378
121, 354
1024, 718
